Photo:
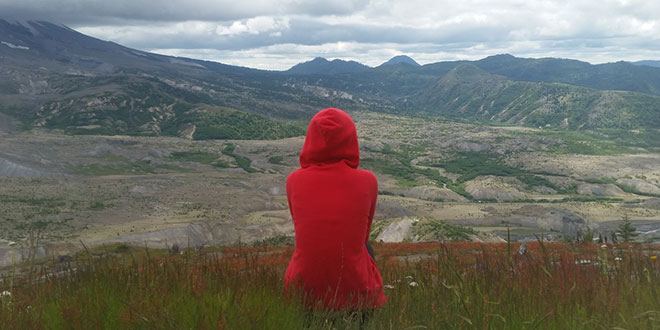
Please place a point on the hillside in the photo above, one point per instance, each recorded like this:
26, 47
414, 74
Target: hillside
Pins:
54, 77
469, 92
609, 76
648, 63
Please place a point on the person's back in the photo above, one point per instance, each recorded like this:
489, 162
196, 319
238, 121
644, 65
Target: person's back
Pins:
332, 204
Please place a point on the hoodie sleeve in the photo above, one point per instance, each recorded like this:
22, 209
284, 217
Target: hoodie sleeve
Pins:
289, 182
372, 209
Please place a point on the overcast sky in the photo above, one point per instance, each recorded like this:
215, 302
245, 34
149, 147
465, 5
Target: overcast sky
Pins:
278, 34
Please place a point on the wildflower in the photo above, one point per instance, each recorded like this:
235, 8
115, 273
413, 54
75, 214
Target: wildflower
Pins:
5, 294
388, 286
413, 284
618, 259
654, 257
604, 246
409, 277
12, 243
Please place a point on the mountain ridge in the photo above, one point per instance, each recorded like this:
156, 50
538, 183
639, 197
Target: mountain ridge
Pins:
54, 77
608, 76
469, 92
320, 65
653, 63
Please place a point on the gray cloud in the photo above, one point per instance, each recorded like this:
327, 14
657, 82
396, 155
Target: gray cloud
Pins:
95, 12
278, 34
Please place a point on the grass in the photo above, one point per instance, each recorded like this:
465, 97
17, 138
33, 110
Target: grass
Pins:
33, 201
98, 206
440, 230
276, 160
473, 164
224, 123
398, 164
628, 189
118, 165
603, 142
425, 229
19, 214
242, 161
199, 157
468, 165
452, 286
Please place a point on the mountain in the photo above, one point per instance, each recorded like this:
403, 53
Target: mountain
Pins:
609, 76
401, 59
652, 63
321, 65
467, 91
54, 77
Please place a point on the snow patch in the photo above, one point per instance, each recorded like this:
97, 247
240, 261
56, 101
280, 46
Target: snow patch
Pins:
138, 53
182, 62
10, 45
27, 25
67, 28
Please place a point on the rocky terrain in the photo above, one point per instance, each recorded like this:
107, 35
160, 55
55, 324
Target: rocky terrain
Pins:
160, 191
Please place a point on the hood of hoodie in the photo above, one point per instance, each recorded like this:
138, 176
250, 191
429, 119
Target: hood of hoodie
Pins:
331, 137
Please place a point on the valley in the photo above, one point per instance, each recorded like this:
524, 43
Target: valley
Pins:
101, 143
159, 191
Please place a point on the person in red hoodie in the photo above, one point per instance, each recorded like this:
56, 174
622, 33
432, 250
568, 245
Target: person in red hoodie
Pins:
332, 204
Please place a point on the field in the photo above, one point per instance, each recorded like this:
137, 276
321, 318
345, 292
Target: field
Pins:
158, 190
429, 285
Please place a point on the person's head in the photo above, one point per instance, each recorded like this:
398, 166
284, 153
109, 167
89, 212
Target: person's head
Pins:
331, 137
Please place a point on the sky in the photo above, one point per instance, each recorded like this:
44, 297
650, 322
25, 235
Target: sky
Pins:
276, 35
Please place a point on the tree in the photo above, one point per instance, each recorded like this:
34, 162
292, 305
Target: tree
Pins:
626, 230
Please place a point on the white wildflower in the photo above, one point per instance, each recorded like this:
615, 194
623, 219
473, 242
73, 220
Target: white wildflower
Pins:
12, 243
413, 284
388, 286
618, 259
5, 294
604, 246
409, 277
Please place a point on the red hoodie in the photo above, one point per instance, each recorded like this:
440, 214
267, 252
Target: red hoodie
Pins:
332, 204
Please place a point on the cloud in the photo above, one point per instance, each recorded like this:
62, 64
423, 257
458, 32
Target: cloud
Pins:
95, 12
255, 25
275, 34
284, 56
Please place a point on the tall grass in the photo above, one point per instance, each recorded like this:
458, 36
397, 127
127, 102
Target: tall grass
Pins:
429, 285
